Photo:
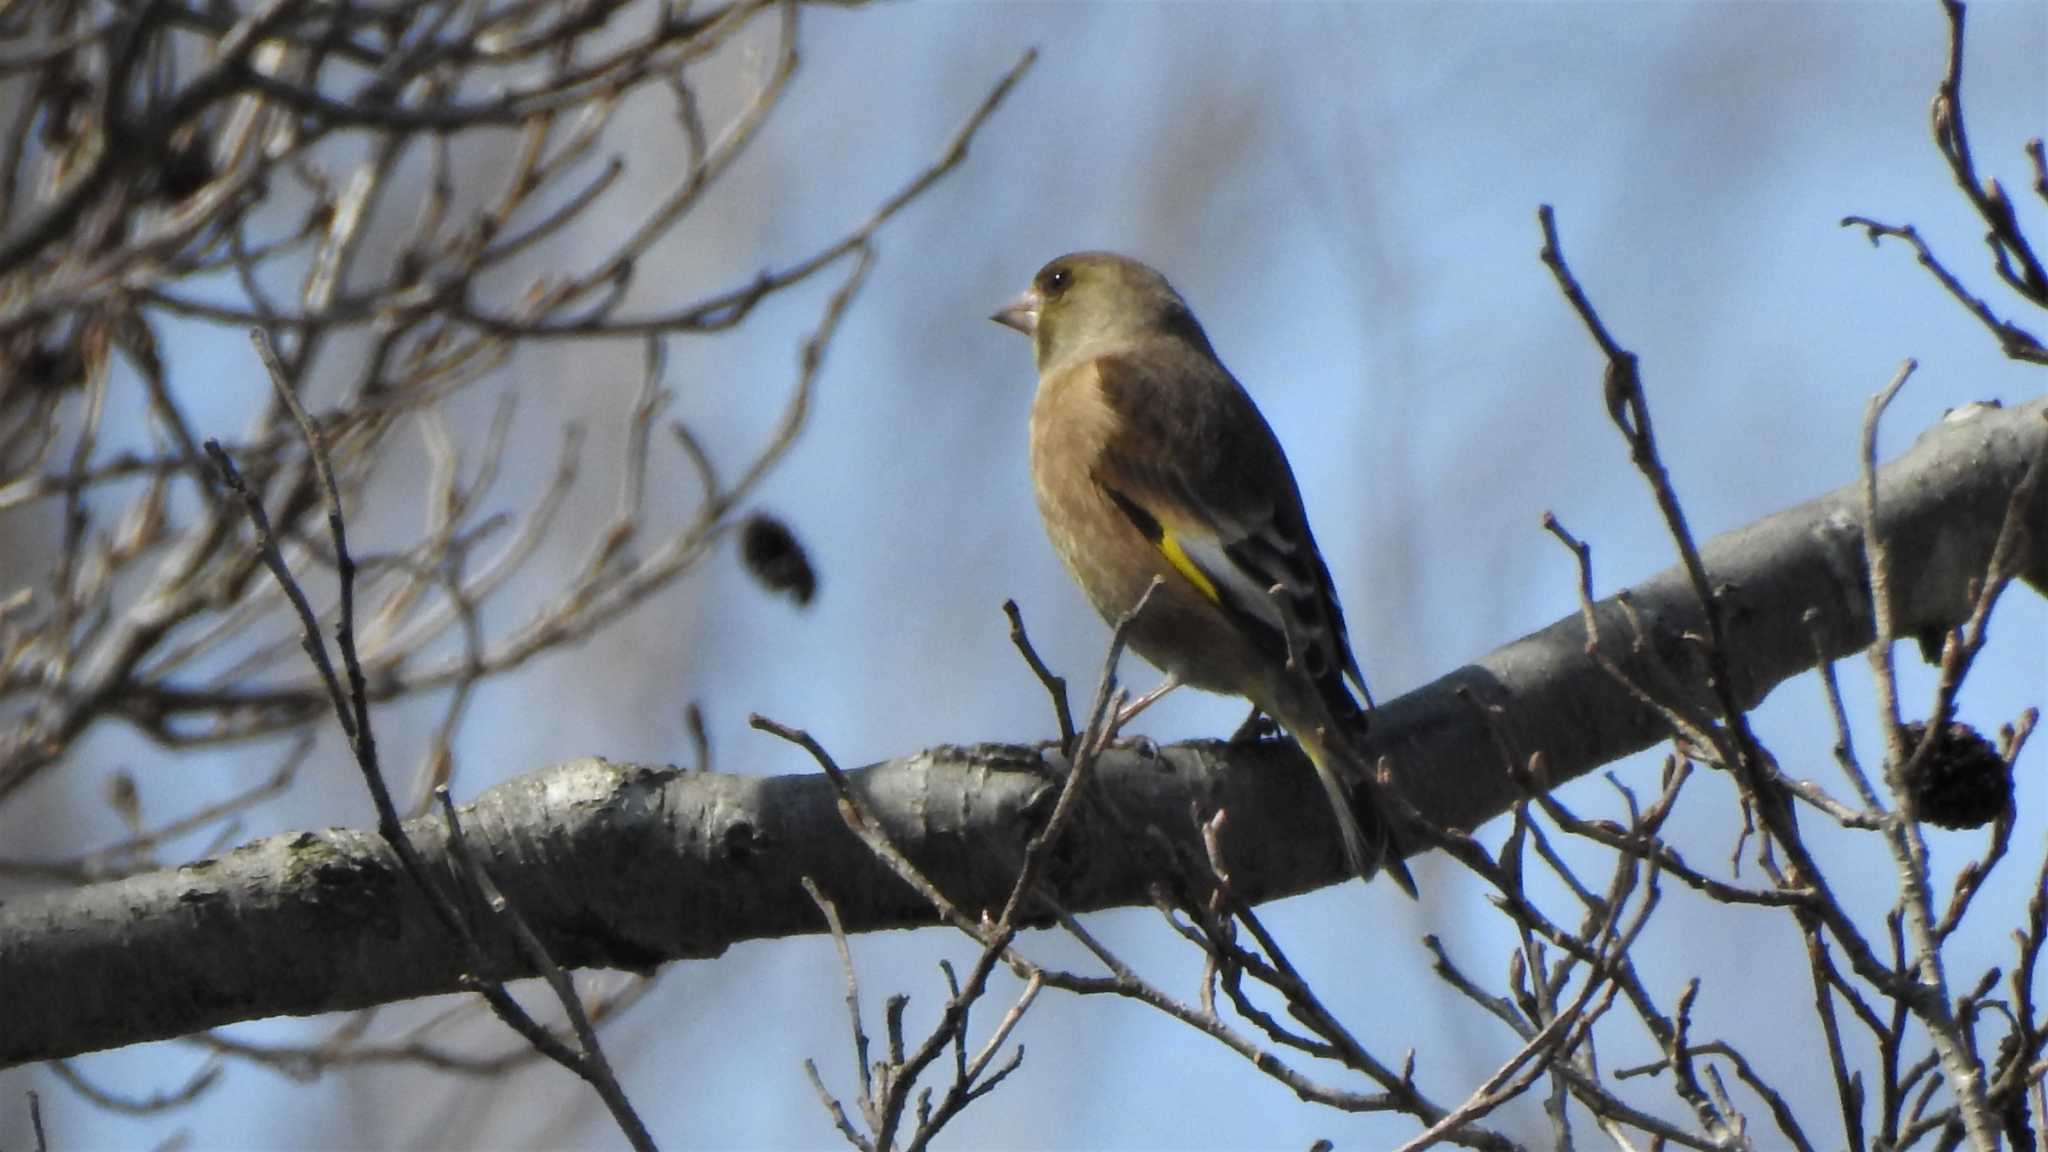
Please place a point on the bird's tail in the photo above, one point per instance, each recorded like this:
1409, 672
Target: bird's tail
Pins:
1368, 844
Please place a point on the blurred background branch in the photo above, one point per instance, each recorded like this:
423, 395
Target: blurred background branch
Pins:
168, 190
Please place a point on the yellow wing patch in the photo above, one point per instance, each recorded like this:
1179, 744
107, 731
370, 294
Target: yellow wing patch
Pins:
1162, 538
1178, 557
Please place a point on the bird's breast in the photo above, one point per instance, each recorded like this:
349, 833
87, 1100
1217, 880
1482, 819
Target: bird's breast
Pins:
1180, 631
1070, 430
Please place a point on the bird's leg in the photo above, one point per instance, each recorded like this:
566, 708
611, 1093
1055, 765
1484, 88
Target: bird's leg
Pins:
1279, 594
1143, 702
1255, 727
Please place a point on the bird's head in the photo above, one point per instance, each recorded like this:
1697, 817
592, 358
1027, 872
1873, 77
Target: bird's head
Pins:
1088, 301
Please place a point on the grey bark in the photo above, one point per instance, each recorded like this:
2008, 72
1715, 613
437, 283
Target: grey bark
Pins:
630, 865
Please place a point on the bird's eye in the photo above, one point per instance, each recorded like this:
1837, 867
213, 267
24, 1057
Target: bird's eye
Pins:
1058, 279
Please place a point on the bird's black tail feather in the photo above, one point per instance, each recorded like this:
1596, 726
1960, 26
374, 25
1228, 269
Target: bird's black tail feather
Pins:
1369, 843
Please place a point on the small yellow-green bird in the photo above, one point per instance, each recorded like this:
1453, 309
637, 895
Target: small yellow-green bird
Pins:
1150, 461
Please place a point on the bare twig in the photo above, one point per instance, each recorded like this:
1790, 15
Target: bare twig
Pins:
351, 710
1055, 686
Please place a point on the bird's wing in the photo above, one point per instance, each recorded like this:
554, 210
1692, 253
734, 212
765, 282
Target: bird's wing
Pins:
1198, 471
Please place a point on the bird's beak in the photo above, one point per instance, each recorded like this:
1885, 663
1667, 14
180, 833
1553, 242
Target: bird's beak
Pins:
1021, 313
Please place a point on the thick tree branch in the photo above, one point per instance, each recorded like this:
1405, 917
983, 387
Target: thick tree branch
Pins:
630, 865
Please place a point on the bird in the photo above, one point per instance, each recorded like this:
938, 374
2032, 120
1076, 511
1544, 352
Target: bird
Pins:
1150, 462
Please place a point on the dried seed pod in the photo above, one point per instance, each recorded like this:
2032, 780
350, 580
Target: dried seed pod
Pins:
776, 558
1963, 782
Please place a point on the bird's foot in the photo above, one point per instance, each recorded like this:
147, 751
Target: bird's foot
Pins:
1137, 706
